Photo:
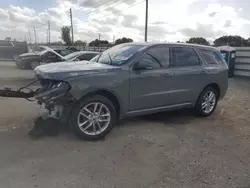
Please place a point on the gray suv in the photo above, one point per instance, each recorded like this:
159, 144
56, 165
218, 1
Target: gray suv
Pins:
129, 80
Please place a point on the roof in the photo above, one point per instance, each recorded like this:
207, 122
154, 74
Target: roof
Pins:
177, 44
226, 48
94, 52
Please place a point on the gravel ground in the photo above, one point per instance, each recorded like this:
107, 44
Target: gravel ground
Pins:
173, 149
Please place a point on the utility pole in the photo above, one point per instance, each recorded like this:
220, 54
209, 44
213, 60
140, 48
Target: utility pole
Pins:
29, 36
35, 33
114, 39
72, 31
99, 36
49, 31
47, 35
146, 22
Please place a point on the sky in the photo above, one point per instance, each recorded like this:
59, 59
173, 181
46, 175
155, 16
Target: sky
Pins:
169, 20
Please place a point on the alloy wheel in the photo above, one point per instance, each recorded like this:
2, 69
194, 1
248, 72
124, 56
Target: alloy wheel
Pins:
94, 118
208, 102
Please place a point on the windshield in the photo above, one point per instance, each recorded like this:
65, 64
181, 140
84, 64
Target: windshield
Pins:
118, 55
72, 55
41, 52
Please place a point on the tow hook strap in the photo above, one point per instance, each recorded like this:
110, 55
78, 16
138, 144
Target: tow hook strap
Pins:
7, 92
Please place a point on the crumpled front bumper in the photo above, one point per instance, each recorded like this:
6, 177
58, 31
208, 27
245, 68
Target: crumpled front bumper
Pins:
54, 93
55, 97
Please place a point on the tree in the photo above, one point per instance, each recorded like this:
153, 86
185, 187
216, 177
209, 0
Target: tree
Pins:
123, 40
231, 40
80, 43
98, 42
8, 38
65, 34
198, 40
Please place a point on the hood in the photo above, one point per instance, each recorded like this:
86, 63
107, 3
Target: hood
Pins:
63, 70
29, 54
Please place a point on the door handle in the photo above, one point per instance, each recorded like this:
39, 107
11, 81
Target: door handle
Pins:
203, 72
167, 75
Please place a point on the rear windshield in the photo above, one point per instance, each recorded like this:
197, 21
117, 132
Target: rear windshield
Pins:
212, 57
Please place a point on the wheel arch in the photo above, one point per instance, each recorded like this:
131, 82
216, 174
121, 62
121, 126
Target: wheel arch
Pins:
215, 86
109, 95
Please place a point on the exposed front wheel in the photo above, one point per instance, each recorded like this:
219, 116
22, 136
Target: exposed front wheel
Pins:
34, 64
93, 118
207, 102
21, 65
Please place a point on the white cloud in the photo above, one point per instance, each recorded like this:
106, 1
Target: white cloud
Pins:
168, 21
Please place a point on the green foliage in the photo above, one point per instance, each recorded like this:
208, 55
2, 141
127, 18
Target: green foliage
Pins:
123, 40
198, 40
97, 42
65, 34
80, 43
231, 41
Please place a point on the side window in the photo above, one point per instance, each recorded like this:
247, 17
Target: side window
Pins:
211, 57
5, 44
183, 56
51, 55
82, 57
160, 54
89, 56
148, 61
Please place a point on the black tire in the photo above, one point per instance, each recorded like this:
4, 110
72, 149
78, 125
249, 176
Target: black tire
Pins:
34, 64
198, 107
22, 65
77, 109
14, 57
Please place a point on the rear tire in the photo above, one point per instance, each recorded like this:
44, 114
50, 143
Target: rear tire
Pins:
207, 102
93, 118
34, 64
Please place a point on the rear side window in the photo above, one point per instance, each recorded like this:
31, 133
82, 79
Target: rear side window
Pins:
160, 55
182, 56
211, 57
5, 43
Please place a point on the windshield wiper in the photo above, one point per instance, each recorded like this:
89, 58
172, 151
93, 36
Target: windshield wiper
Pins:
110, 59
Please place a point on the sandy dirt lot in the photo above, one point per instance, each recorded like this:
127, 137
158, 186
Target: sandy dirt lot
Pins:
168, 150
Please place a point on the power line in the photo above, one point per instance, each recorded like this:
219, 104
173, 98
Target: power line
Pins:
120, 11
109, 5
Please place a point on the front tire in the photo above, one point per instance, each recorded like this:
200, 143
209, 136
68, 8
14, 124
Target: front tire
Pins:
34, 64
207, 102
93, 118
22, 65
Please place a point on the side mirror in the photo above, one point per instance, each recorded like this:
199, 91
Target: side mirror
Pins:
76, 59
142, 66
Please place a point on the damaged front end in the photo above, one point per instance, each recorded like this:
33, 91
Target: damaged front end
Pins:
55, 97
52, 94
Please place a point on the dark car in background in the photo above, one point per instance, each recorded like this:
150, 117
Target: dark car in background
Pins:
11, 49
67, 50
34, 59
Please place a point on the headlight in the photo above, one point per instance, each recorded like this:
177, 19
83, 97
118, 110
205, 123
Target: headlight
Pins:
53, 89
24, 58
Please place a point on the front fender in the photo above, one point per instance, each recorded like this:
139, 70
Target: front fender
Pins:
112, 82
